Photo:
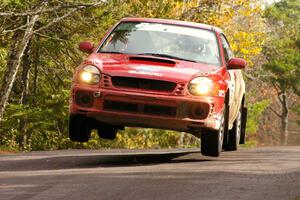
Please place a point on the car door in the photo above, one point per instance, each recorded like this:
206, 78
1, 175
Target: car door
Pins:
236, 85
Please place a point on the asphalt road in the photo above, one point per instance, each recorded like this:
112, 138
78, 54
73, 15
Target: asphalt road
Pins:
260, 173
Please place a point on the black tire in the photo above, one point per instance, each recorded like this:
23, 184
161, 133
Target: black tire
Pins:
107, 132
79, 129
212, 140
234, 135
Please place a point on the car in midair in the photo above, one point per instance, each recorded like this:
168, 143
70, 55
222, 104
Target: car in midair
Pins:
165, 74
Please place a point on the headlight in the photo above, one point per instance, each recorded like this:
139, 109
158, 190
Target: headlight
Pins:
201, 86
90, 75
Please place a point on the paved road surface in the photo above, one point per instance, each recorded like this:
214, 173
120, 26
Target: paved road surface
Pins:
261, 173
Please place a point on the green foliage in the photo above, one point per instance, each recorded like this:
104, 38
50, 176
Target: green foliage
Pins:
283, 57
47, 123
3, 55
135, 138
54, 55
250, 143
286, 11
296, 109
255, 112
282, 48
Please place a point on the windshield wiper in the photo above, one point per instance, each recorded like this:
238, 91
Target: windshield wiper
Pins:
166, 56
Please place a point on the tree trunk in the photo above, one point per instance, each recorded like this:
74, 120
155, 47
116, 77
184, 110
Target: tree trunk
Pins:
284, 119
35, 77
183, 6
26, 64
13, 65
181, 139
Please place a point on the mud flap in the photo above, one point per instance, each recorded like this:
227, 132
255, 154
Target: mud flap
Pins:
244, 122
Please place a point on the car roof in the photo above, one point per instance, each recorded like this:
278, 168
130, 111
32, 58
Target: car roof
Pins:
173, 22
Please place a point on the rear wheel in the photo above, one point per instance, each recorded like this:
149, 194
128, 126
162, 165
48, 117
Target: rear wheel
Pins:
79, 129
234, 134
212, 140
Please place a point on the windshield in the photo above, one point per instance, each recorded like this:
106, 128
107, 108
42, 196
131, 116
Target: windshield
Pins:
163, 40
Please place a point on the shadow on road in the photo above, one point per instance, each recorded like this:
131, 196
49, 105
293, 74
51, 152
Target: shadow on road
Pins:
101, 160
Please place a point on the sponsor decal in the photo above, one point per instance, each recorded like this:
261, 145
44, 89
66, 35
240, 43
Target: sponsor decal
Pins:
216, 120
221, 93
204, 73
145, 73
147, 69
217, 116
218, 124
150, 71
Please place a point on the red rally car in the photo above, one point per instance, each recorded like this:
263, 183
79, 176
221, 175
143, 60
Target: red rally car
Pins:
164, 74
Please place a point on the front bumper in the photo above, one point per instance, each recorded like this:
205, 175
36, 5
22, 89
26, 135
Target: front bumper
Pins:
127, 108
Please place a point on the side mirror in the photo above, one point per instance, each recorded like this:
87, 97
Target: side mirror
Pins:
236, 63
86, 47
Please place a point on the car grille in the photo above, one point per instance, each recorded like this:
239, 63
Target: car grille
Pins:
143, 84
140, 108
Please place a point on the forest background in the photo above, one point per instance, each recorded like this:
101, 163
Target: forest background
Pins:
39, 52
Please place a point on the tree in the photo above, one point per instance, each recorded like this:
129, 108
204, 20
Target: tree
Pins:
26, 24
21, 39
282, 52
36, 115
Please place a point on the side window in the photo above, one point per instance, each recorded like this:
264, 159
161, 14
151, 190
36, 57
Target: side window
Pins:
226, 48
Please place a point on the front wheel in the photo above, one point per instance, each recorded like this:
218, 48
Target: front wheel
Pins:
235, 133
212, 140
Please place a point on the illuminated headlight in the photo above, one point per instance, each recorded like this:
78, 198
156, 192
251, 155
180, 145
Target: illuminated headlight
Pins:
90, 75
201, 86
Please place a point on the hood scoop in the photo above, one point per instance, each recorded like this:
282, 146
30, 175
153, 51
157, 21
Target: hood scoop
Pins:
151, 59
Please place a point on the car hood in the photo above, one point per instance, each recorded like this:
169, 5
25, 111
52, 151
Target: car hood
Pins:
149, 67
